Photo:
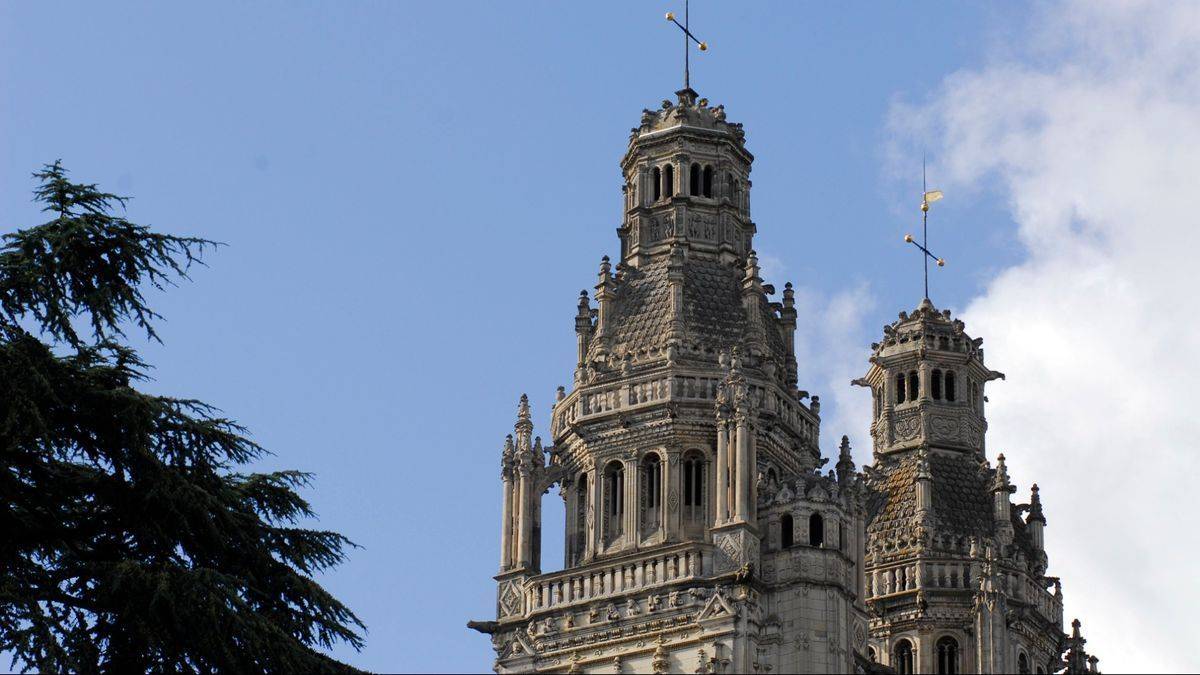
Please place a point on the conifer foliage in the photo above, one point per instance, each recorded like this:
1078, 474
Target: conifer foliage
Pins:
128, 539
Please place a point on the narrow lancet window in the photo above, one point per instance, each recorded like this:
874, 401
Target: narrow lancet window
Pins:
950, 386
914, 386
651, 495
786, 531
900, 388
935, 385
668, 181
694, 180
816, 530
614, 501
656, 178
708, 181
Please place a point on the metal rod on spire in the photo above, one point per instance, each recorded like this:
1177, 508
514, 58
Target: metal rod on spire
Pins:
687, 70
927, 197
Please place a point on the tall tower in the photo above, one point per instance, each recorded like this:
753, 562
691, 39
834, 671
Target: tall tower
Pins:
955, 576
701, 535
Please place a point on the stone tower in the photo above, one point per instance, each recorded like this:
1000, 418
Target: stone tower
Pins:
955, 576
701, 534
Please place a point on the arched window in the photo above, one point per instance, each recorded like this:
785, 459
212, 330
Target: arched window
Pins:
1022, 663
579, 539
871, 654
816, 530
902, 659
614, 501
668, 181
947, 655
914, 386
694, 180
650, 496
900, 388
694, 490
656, 178
708, 180
1040, 670
935, 385
787, 529
950, 393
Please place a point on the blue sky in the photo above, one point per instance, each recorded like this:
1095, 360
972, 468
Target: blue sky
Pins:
413, 195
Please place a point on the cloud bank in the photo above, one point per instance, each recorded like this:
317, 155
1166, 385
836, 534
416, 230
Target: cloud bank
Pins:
1090, 130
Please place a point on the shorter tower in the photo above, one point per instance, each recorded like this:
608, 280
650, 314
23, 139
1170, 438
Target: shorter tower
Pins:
955, 578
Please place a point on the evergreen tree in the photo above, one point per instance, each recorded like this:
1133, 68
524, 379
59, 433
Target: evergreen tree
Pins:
128, 540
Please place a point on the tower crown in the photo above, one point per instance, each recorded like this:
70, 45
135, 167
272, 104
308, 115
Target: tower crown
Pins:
687, 180
927, 378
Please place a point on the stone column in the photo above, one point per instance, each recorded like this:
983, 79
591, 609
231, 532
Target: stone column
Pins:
631, 530
722, 470
524, 520
506, 526
743, 479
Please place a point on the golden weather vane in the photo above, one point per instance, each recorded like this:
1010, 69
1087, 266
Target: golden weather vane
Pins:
927, 197
687, 34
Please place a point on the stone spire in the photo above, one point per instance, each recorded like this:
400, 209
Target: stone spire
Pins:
845, 463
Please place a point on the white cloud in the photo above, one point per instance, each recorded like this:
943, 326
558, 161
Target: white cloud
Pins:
830, 352
1091, 129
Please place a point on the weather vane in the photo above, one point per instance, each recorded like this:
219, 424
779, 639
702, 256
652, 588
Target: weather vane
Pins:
927, 197
687, 34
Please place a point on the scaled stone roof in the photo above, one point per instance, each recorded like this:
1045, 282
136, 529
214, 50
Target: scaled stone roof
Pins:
713, 315
961, 499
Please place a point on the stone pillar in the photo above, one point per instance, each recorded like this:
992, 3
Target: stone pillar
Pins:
743, 476
631, 530
524, 519
673, 496
722, 470
596, 503
506, 526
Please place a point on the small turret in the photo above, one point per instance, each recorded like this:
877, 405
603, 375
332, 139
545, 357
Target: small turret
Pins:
1001, 506
845, 463
1036, 520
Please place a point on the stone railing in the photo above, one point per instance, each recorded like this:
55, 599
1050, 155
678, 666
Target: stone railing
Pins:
596, 401
600, 579
951, 575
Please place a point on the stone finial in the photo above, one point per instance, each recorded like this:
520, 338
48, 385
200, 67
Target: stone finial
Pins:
605, 268
524, 425
752, 268
1001, 482
815, 405
1035, 506
560, 393
789, 296
845, 465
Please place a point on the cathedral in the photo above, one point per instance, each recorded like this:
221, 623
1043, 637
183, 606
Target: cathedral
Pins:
705, 531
